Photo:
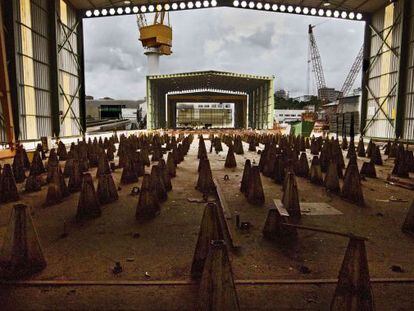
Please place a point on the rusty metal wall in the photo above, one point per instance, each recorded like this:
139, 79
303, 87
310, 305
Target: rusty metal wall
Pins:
409, 104
68, 70
34, 95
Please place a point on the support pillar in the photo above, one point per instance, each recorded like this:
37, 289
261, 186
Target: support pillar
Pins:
403, 67
54, 70
82, 90
5, 92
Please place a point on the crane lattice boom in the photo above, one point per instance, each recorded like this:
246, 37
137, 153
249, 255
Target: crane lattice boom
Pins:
356, 67
315, 58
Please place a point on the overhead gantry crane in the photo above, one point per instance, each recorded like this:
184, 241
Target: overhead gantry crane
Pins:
156, 38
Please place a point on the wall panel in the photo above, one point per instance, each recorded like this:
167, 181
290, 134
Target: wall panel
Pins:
68, 59
383, 74
32, 40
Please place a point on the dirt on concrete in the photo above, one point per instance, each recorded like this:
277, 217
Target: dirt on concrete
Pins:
162, 249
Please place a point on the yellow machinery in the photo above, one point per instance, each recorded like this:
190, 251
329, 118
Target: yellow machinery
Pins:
157, 36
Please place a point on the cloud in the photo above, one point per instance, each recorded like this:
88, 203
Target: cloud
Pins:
226, 39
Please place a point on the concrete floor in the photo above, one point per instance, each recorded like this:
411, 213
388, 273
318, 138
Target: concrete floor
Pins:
164, 249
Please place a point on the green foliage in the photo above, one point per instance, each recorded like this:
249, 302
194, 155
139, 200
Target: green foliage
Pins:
281, 103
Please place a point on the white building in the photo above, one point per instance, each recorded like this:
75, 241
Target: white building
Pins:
288, 115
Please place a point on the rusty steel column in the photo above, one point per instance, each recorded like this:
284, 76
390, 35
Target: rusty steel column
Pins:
5, 91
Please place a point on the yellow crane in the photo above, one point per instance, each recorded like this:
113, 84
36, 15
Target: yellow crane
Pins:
156, 38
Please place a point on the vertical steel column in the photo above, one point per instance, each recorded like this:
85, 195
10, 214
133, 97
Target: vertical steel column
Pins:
365, 74
54, 70
405, 6
81, 74
5, 86
9, 23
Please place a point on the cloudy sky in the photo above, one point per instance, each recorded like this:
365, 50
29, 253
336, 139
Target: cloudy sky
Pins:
227, 39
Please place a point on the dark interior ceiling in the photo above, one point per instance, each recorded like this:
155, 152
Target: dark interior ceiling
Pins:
212, 80
363, 6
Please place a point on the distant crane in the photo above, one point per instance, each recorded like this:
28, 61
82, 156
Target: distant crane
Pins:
314, 59
355, 69
156, 39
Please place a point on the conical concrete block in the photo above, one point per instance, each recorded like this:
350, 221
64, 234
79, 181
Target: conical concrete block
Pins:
205, 183
57, 188
139, 167
88, 204
315, 174
368, 169
53, 159
217, 290
61, 151
8, 188
352, 161
255, 194
302, 166
408, 226
21, 254
353, 290
210, 229
376, 156
33, 184
230, 158
165, 175
238, 145
103, 165
290, 198
361, 148
148, 206
106, 190
18, 167
171, 166
279, 170
128, 173
401, 168
145, 157
370, 148
75, 177
217, 145
273, 228
252, 145
332, 178
157, 184
352, 188
202, 151
37, 167
351, 150
245, 179
344, 144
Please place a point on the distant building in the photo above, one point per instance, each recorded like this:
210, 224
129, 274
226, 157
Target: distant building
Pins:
282, 94
341, 111
303, 98
111, 109
328, 95
197, 115
288, 115
309, 108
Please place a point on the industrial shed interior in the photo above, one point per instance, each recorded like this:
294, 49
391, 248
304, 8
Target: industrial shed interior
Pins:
231, 215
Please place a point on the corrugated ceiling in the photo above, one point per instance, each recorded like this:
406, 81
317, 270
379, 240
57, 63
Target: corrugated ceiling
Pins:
363, 6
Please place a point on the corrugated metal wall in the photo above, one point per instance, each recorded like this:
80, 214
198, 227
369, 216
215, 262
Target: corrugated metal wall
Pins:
32, 39
383, 73
68, 71
409, 103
